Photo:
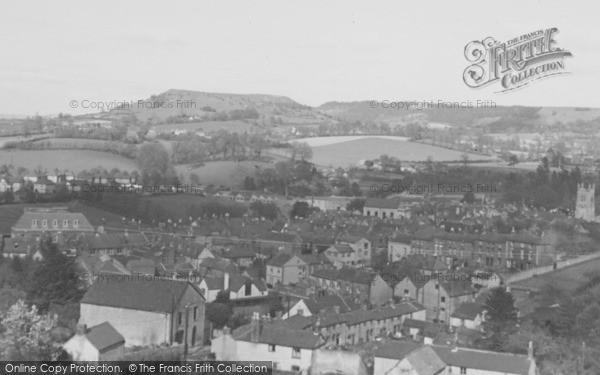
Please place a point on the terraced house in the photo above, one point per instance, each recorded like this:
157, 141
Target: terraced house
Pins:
359, 326
360, 284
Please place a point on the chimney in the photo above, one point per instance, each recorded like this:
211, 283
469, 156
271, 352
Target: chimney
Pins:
336, 308
530, 351
226, 281
255, 324
317, 326
80, 329
226, 331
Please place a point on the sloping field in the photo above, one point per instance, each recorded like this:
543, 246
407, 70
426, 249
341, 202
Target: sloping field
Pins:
349, 150
234, 126
65, 160
226, 173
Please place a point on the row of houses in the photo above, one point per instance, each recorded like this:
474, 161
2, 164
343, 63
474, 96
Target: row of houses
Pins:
490, 250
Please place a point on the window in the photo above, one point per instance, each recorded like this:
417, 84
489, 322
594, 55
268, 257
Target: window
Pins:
195, 312
65, 223
296, 368
75, 223
300, 312
271, 348
437, 286
443, 299
180, 318
463, 370
44, 223
33, 223
55, 223
248, 288
295, 353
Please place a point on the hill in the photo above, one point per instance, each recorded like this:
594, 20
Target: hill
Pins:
185, 104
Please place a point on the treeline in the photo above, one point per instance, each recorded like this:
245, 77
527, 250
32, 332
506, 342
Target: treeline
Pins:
126, 150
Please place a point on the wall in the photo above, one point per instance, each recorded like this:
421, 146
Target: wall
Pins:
139, 328
336, 361
542, 270
397, 250
80, 349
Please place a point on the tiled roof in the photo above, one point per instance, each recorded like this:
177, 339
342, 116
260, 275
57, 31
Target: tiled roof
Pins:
425, 361
17, 245
467, 310
317, 304
314, 259
396, 350
484, 360
97, 241
343, 248
281, 335
158, 295
104, 336
279, 260
382, 203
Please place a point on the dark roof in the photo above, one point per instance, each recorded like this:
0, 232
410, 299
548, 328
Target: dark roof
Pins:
382, 203
484, 360
281, 335
467, 310
104, 336
102, 241
280, 259
317, 304
314, 259
396, 350
458, 287
19, 245
343, 248
137, 293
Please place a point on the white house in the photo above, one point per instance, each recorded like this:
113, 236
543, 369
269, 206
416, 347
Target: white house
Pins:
397, 249
468, 314
289, 349
98, 343
237, 286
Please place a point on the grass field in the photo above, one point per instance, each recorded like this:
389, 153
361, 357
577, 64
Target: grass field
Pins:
69, 160
568, 278
227, 173
345, 151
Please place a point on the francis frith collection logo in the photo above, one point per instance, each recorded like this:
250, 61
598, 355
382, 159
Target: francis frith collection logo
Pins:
515, 63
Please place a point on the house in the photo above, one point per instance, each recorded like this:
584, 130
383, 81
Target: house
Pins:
361, 284
385, 208
460, 360
58, 222
285, 269
242, 256
398, 248
98, 343
100, 267
341, 255
22, 247
361, 246
358, 326
101, 243
44, 186
236, 286
216, 267
316, 305
407, 358
288, 242
443, 294
287, 348
147, 311
316, 262
468, 314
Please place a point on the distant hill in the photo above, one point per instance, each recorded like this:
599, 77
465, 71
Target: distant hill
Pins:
219, 107
497, 119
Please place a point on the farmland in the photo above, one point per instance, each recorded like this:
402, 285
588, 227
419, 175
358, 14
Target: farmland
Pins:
234, 126
72, 160
227, 173
347, 151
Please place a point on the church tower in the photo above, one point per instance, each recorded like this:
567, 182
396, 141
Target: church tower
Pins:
585, 204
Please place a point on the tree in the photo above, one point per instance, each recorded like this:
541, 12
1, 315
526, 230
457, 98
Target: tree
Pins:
218, 314
26, 335
500, 316
52, 280
356, 204
513, 160
154, 163
300, 209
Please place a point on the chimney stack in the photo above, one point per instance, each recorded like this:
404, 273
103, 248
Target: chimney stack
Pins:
336, 308
530, 351
226, 331
255, 324
226, 281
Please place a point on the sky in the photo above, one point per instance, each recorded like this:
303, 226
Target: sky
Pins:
311, 51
